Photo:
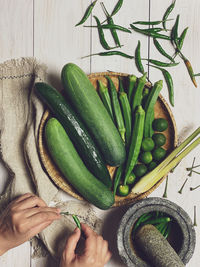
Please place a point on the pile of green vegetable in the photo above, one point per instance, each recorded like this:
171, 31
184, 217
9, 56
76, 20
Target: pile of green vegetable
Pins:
153, 29
132, 111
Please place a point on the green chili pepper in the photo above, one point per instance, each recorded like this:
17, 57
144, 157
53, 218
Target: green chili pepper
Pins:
161, 50
132, 79
164, 228
152, 30
76, 221
87, 13
111, 26
111, 53
116, 108
195, 75
117, 7
101, 35
111, 22
166, 14
151, 34
169, 82
118, 175
182, 38
123, 190
143, 218
162, 64
138, 60
157, 220
150, 22
105, 97
121, 87
167, 231
126, 111
190, 71
174, 32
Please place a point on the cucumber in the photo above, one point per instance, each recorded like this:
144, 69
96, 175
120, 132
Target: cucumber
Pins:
76, 130
70, 164
83, 96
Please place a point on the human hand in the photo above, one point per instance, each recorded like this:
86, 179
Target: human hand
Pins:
96, 253
24, 218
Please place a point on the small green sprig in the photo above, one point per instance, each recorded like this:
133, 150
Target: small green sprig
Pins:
166, 186
181, 189
75, 217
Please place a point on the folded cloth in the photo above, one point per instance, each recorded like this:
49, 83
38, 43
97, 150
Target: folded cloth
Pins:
20, 115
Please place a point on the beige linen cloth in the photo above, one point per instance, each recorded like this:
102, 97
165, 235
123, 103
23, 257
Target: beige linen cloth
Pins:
20, 115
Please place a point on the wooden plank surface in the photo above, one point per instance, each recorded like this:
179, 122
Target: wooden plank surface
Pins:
45, 29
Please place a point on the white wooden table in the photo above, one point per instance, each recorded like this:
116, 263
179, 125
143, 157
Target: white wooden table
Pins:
45, 29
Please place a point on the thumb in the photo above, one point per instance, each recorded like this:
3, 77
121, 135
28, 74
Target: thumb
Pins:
71, 244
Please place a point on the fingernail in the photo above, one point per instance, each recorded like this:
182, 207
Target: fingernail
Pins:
76, 230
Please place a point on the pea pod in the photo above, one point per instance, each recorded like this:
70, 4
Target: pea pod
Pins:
138, 60
105, 97
149, 106
135, 142
116, 108
132, 79
137, 99
87, 13
169, 82
126, 111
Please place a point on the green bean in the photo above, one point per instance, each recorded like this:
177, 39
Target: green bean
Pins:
174, 32
166, 14
121, 87
111, 22
111, 53
161, 50
138, 60
117, 7
151, 34
116, 108
162, 64
132, 79
118, 175
169, 82
126, 111
111, 26
101, 35
87, 13
105, 97
137, 99
76, 220
150, 22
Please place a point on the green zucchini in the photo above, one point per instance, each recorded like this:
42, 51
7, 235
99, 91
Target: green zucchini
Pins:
149, 107
83, 96
72, 167
76, 130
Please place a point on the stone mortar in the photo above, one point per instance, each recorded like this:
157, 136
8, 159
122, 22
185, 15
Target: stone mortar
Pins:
124, 243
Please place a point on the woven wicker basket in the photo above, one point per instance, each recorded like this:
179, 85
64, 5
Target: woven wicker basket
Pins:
161, 110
